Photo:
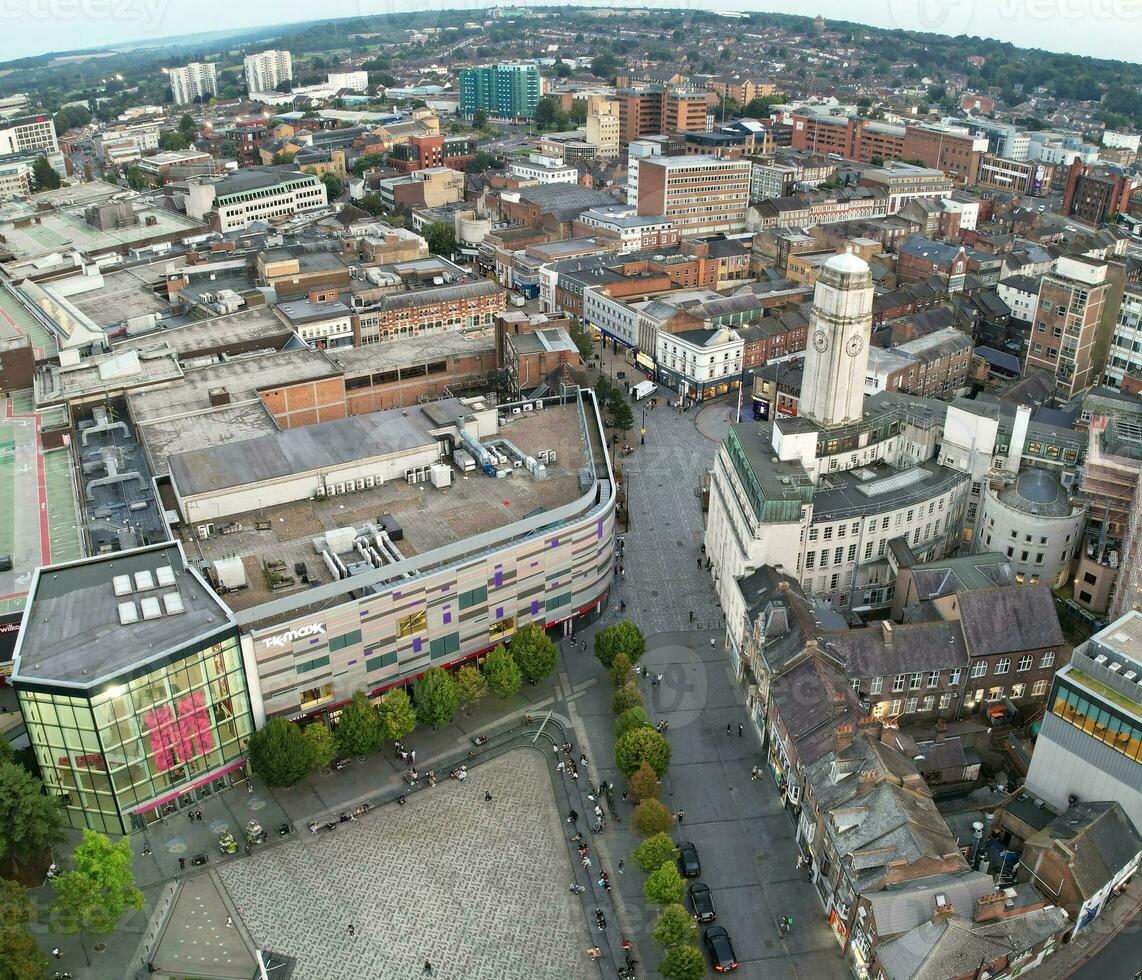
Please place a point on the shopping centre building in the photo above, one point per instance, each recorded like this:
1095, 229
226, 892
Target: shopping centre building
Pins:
309, 563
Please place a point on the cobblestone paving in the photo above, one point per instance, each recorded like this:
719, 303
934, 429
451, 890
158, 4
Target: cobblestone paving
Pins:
477, 888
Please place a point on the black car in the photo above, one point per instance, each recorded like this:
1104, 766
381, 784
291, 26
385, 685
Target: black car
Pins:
702, 902
688, 862
720, 949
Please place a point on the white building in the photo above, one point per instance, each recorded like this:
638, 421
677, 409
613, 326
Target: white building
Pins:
327, 325
355, 81
15, 179
29, 134
267, 70
194, 81
253, 194
967, 208
126, 142
1121, 141
700, 363
1021, 294
636, 232
1125, 354
543, 170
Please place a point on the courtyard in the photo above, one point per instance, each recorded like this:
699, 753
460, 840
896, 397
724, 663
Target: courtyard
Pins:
478, 888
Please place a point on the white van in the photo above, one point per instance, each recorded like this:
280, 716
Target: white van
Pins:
642, 389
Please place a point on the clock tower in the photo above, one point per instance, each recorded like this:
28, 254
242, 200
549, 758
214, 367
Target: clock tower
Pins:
836, 354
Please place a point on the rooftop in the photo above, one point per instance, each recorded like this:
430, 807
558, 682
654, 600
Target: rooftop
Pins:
73, 629
1009, 619
844, 493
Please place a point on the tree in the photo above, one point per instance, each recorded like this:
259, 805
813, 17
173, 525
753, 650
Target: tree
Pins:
283, 158
173, 139
651, 817
95, 896
479, 119
604, 65
20, 955
623, 637
583, 341
674, 926
372, 203
398, 716
643, 784
322, 745
44, 178
436, 699
654, 852
619, 672
366, 161
471, 688
534, 652
136, 179
547, 111
665, 885
280, 753
187, 126
228, 149
359, 727
441, 237
683, 963
629, 720
334, 185
87, 175
625, 698
621, 414
640, 744
502, 673
30, 822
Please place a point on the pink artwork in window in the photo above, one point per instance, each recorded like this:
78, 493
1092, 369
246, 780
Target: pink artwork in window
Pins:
176, 741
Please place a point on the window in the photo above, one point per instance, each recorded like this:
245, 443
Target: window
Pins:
1039, 688
828, 534
915, 681
1047, 659
979, 668
933, 678
877, 685
473, 597
928, 703
898, 682
811, 559
309, 665
314, 696
442, 646
502, 628
415, 622
912, 703
1017, 690
954, 677
379, 663
345, 640
945, 701
1003, 665
1024, 663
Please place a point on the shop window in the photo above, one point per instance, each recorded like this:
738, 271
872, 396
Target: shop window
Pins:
505, 627
415, 622
308, 700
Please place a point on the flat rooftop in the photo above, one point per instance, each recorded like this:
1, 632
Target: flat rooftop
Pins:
430, 518
359, 361
885, 488
256, 325
66, 229
72, 634
124, 294
115, 372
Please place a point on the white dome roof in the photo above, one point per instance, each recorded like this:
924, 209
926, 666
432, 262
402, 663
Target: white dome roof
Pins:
847, 263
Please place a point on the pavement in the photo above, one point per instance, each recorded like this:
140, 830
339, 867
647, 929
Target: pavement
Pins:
1110, 948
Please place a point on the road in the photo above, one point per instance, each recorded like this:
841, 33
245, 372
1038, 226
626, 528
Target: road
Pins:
1119, 959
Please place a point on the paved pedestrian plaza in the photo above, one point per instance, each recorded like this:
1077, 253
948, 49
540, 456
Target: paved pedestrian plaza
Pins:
478, 888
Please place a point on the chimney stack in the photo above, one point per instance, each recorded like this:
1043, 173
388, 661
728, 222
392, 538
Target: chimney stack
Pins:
842, 737
886, 630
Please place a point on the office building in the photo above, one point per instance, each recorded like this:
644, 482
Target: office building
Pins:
509, 91
254, 194
540, 169
905, 182
1090, 744
603, 130
699, 195
196, 81
1095, 196
267, 70
1065, 336
1014, 176
28, 135
1125, 355
432, 150
660, 109
15, 178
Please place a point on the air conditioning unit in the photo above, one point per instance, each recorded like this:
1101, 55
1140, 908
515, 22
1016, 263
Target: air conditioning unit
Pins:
370, 482
538, 406
516, 410
320, 492
340, 487
361, 484
552, 456
410, 477
331, 490
527, 406
205, 530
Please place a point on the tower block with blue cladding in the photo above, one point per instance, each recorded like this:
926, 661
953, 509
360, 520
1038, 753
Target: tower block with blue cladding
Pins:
839, 328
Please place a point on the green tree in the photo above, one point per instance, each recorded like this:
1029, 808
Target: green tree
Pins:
629, 720
619, 671
30, 822
44, 178
136, 179
367, 161
228, 150
94, 897
479, 119
534, 652
625, 698
604, 65
441, 237
20, 955
173, 139
675, 926
642, 744
665, 885
651, 817
398, 716
621, 413
334, 185
372, 203
471, 687
683, 963
187, 126
623, 637
322, 745
436, 699
280, 753
584, 341
359, 727
502, 673
282, 158
654, 852
87, 175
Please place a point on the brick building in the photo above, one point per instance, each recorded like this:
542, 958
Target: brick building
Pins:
423, 152
1095, 196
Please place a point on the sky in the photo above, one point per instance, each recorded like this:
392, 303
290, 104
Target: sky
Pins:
1102, 28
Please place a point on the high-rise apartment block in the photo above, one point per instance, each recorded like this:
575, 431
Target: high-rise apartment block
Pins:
660, 109
1066, 328
267, 70
1125, 356
194, 81
510, 91
700, 195
603, 129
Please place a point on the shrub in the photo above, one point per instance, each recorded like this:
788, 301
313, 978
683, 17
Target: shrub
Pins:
654, 852
651, 817
642, 744
619, 671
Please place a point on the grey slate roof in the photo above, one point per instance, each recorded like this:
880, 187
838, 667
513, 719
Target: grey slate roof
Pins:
1101, 839
1008, 619
910, 905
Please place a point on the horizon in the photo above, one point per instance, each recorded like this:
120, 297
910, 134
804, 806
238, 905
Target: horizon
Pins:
1027, 24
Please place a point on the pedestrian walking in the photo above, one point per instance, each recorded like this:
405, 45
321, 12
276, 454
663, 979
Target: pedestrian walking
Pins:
691, 615
352, 928
713, 643
754, 773
182, 864
658, 679
729, 730
586, 861
198, 815
412, 756
230, 925
427, 968
487, 796
250, 787
789, 923
56, 953
594, 952
622, 605
680, 815
621, 863
573, 816
740, 731
624, 796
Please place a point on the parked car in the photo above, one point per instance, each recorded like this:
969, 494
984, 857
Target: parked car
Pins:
688, 862
720, 949
702, 902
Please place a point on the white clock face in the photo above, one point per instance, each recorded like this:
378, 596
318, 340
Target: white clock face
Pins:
854, 346
820, 340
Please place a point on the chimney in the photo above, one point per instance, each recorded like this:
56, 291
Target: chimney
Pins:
988, 908
943, 909
218, 396
941, 727
886, 630
842, 737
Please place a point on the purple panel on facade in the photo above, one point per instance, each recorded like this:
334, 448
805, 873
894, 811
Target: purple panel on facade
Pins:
447, 618
599, 530
554, 542
535, 607
535, 564
499, 612
499, 580
351, 663
416, 644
